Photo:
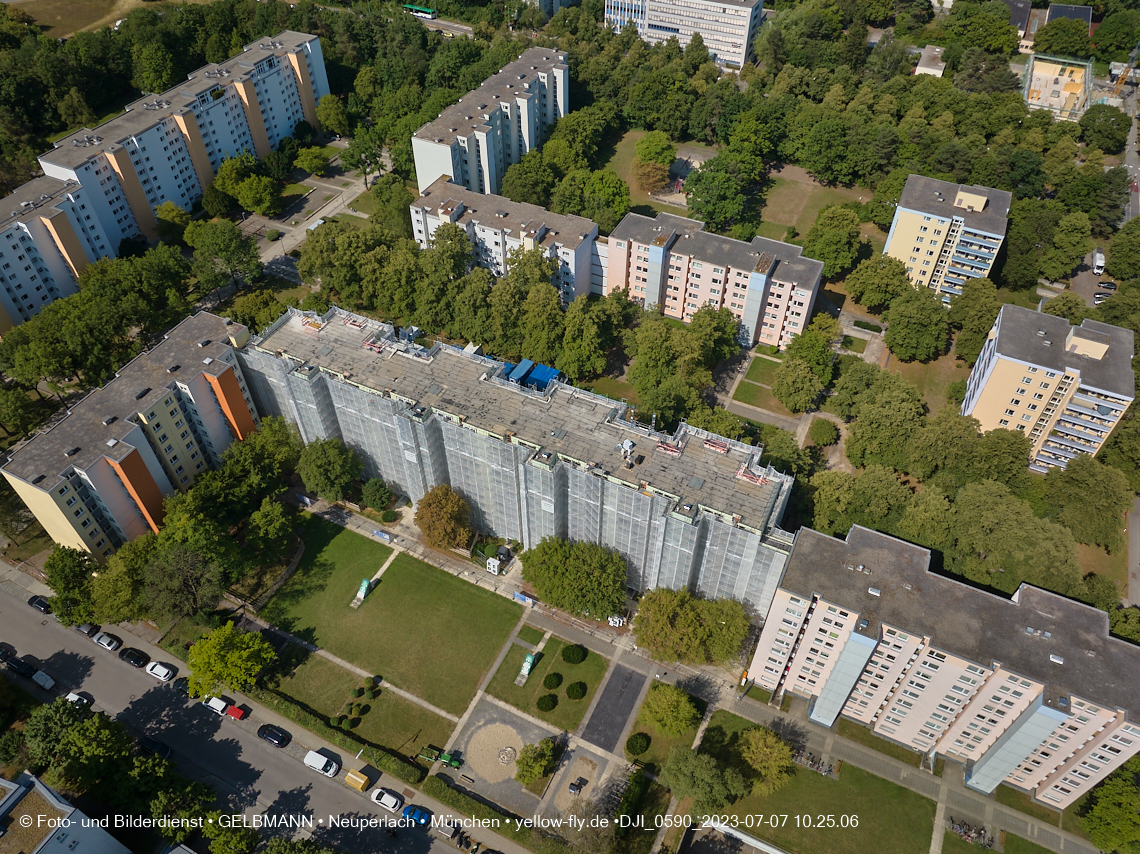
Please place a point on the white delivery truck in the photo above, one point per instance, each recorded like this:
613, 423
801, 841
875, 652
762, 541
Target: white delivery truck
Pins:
1098, 262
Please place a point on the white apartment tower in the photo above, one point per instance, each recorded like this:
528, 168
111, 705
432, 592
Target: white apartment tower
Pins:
728, 27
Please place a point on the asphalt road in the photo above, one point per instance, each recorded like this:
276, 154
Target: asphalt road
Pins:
613, 710
250, 776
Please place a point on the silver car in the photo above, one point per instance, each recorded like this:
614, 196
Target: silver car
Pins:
108, 641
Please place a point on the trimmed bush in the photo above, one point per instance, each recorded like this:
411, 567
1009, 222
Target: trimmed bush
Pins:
576, 690
552, 681
547, 702
348, 707
389, 516
637, 743
372, 693
272, 234
574, 654
358, 692
870, 327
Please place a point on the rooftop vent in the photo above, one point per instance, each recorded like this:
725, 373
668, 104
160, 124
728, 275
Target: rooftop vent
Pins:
203, 342
108, 420
71, 452
207, 361
112, 442
874, 591
1029, 630
1047, 343
142, 394
1047, 635
173, 368
38, 478
1056, 659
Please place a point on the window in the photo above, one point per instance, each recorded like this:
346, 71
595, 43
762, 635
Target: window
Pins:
1004, 422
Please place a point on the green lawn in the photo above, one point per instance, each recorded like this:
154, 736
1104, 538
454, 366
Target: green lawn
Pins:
185, 633
952, 843
762, 371
1096, 559
531, 635
427, 631
932, 378
1017, 845
567, 715
621, 162
392, 721
660, 743
613, 388
761, 694
364, 203
755, 395
296, 190
772, 230
1071, 818
862, 735
855, 345
1022, 802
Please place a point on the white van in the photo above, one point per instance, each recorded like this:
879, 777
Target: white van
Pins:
321, 764
215, 704
43, 680
1098, 262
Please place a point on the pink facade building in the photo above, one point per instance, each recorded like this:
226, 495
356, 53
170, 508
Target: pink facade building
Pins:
1027, 691
672, 264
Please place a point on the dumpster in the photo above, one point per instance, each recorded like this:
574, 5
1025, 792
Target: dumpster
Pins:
357, 780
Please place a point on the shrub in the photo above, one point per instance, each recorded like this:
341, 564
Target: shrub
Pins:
790, 233
547, 702
574, 654
552, 681
358, 692
637, 744
11, 744
389, 516
870, 327
336, 720
348, 707
272, 234
375, 494
823, 432
372, 693
576, 690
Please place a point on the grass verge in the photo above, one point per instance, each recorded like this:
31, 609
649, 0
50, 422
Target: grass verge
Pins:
661, 743
1022, 802
762, 371
862, 735
531, 635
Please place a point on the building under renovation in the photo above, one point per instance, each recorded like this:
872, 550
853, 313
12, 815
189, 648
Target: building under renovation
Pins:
1061, 86
687, 510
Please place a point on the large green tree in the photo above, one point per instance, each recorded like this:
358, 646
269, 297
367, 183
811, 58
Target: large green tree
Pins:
1112, 815
796, 385
1092, 500
529, 180
877, 281
972, 314
227, 658
221, 253
675, 626
1067, 37
328, 467
834, 240
583, 578
670, 709
689, 774
69, 574
443, 517
917, 326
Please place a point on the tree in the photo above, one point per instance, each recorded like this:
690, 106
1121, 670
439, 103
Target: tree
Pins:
92, 751
823, 432
529, 180
796, 385
713, 192
1069, 306
656, 147
917, 328
651, 177
1071, 242
877, 281
365, 151
73, 109
227, 658
542, 327
331, 115
47, 725
232, 171
17, 412
1093, 500
216, 201
392, 202
376, 494
442, 516
601, 196
834, 240
582, 578
1124, 254
1064, 37
582, 354
221, 253
889, 413
813, 347
260, 195
117, 590
670, 709
675, 626
189, 800
1112, 814
181, 582
769, 756
689, 774
313, 160
270, 526
69, 576
152, 66
172, 221
229, 837
1105, 127
534, 761
874, 499
973, 313
328, 466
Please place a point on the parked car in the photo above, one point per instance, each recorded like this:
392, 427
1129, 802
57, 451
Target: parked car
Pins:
387, 800
40, 604
134, 657
215, 704
1108, 286
6, 652
274, 735
417, 815
577, 786
89, 629
182, 685
108, 641
43, 680
20, 667
152, 745
161, 672
78, 700
321, 764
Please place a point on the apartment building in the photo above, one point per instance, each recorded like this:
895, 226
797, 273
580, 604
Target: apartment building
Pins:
728, 28
1061, 86
496, 227
97, 478
672, 264
947, 233
475, 140
102, 185
1066, 386
1026, 691
687, 510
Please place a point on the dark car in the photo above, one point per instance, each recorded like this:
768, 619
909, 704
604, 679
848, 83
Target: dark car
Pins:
151, 745
20, 667
1108, 286
134, 657
40, 604
182, 685
274, 735
6, 652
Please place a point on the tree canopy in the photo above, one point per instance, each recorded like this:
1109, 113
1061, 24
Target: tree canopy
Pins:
675, 626
442, 516
227, 658
328, 466
582, 578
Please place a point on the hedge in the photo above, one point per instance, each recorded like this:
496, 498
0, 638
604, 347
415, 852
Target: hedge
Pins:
385, 759
870, 327
438, 787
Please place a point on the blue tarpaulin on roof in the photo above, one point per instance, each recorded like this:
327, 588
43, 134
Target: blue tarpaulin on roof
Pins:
520, 373
541, 376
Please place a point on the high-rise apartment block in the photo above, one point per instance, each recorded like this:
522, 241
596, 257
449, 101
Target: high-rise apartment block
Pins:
475, 140
497, 226
97, 478
728, 27
1066, 386
673, 264
1029, 691
687, 510
947, 233
103, 184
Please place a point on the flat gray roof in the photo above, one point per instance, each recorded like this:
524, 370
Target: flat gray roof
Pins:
932, 58
566, 421
1074, 13
77, 148
935, 197
500, 212
83, 430
1018, 338
693, 240
32, 199
469, 112
966, 621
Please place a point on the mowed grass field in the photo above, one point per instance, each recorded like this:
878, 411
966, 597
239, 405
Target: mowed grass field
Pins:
427, 631
391, 721
61, 18
890, 818
794, 198
567, 715
932, 378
